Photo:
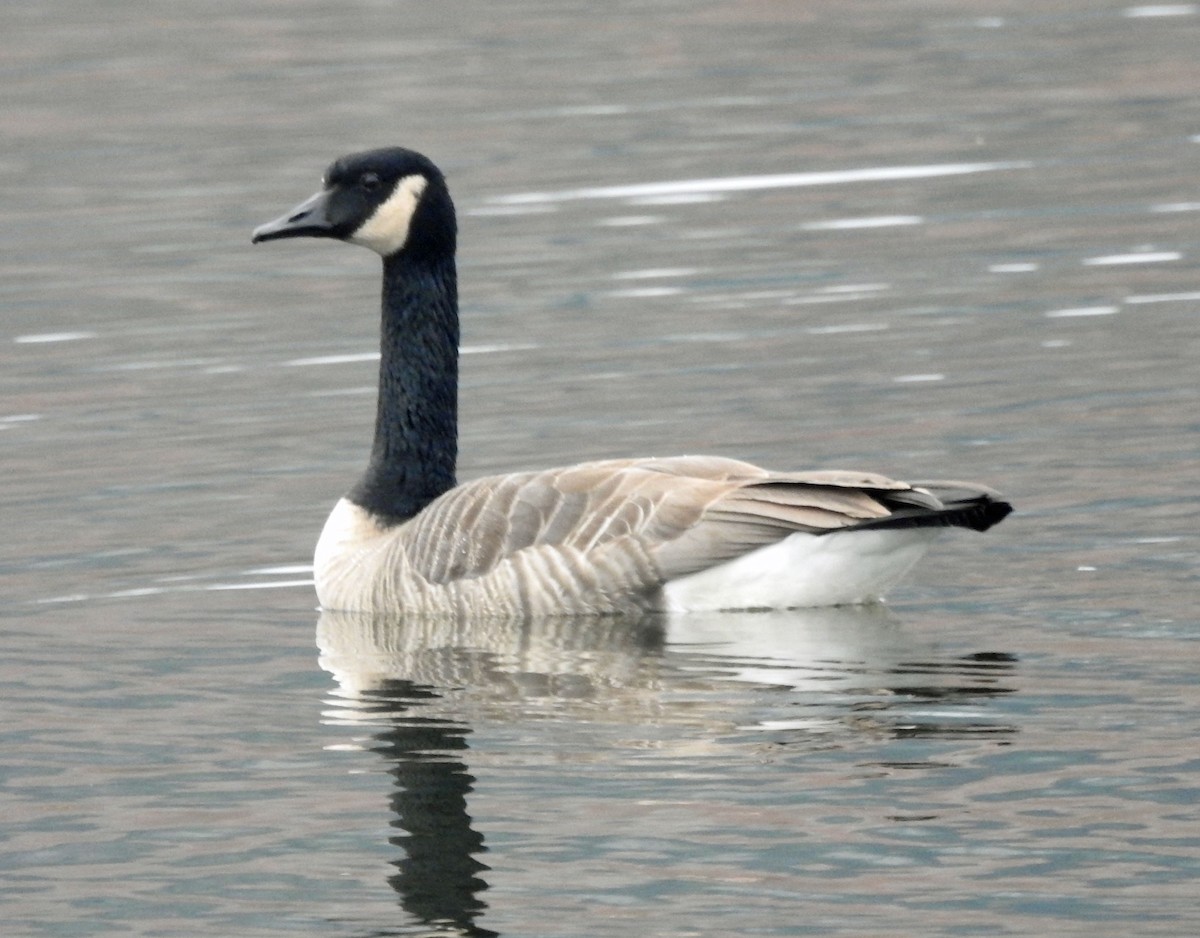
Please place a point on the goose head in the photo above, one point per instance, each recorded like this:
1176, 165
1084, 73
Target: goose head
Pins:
393, 201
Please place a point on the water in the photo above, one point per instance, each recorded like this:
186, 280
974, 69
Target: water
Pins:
932, 240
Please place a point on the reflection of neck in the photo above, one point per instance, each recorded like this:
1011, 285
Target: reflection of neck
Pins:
437, 878
416, 420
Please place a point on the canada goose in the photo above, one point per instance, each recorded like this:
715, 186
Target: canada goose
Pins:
676, 534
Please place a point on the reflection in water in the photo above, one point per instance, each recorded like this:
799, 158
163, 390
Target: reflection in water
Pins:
421, 685
504, 658
393, 675
855, 672
437, 876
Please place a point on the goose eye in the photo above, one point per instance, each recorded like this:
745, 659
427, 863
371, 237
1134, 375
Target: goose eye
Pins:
369, 182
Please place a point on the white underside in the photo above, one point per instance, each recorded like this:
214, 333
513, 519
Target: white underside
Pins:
804, 570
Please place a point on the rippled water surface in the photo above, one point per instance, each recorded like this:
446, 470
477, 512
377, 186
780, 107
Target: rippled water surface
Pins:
928, 239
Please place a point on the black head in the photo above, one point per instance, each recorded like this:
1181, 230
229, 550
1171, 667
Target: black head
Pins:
391, 200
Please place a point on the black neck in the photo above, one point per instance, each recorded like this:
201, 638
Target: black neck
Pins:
416, 422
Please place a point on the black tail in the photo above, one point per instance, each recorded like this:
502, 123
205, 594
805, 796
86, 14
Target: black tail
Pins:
941, 504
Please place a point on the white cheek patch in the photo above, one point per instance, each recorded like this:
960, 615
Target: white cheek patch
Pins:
387, 229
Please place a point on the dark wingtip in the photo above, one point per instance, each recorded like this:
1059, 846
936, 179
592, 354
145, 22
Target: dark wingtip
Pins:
985, 513
978, 512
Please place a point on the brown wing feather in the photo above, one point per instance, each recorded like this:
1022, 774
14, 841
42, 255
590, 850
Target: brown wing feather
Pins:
686, 513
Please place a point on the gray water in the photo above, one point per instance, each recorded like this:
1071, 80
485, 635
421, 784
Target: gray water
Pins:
945, 239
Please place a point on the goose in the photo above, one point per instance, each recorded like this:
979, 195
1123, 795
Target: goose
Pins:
614, 536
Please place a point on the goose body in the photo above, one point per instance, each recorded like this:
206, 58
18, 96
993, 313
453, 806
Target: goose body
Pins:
673, 534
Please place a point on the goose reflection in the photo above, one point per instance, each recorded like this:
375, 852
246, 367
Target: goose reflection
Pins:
399, 681
419, 687
438, 873
856, 670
